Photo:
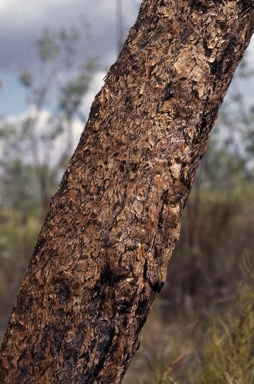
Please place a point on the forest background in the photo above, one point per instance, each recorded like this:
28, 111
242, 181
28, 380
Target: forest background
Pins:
206, 306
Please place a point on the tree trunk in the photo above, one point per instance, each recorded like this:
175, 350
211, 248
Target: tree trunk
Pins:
103, 250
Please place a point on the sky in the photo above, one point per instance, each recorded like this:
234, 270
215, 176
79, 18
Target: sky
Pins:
22, 23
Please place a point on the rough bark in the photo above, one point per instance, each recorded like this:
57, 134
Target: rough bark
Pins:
103, 250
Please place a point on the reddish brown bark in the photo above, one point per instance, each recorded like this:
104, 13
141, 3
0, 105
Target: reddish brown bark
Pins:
103, 250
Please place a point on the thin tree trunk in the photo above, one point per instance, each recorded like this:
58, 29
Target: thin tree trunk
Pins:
103, 250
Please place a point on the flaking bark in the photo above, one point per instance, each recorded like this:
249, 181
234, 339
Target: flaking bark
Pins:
103, 250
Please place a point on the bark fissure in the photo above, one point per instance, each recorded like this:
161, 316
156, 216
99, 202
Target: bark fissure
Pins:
103, 250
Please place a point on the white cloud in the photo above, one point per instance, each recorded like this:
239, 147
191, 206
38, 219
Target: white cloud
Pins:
27, 20
39, 151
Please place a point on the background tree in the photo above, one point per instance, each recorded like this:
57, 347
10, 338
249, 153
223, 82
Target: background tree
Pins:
43, 140
108, 235
36, 147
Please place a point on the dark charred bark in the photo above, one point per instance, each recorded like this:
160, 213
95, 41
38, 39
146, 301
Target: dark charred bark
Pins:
103, 250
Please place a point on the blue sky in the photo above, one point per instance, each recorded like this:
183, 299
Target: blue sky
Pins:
23, 22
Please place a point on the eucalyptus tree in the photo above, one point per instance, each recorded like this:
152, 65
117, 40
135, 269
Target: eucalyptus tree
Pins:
42, 140
104, 247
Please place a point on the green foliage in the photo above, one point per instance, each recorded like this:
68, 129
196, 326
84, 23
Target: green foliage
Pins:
17, 238
12, 235
36, 149
217, 231
26, 79
217, 225
48, 45
216, 242
162, 374
227, 354
218, 350
72, 94
19, 186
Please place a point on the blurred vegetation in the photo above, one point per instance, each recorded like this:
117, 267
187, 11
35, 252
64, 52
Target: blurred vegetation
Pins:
216, 349
37, 146
227, 354
17, 239
201, 328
